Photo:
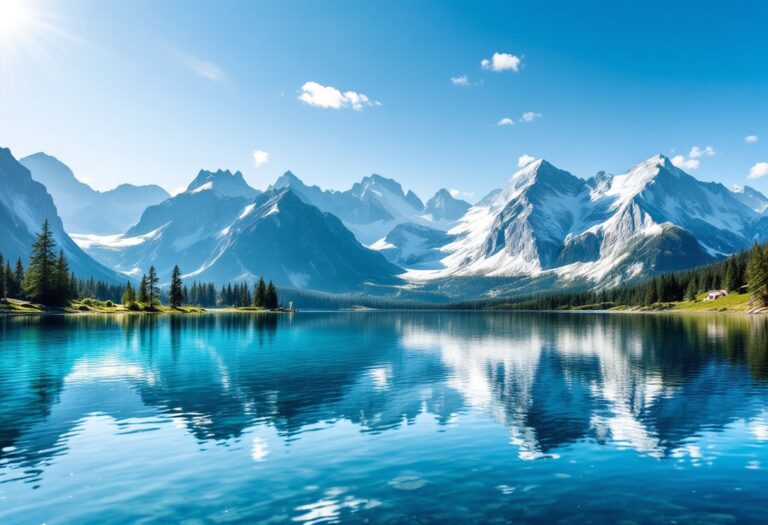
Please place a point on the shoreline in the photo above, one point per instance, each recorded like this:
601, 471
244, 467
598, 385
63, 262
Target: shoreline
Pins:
23, 308
215, 311
15, 307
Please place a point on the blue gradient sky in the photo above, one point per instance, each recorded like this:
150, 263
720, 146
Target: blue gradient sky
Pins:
150, 92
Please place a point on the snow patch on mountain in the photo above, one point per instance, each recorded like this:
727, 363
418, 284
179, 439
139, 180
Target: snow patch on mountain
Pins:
114, 242
246, 211
203, 187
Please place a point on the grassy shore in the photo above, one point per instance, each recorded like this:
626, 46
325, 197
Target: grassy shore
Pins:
92, 306
733, 303
254, 309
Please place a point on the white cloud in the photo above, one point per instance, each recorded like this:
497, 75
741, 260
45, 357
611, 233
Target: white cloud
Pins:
692, 162
530, 116
260, 157
685, 164
463, 80
319, 96
502, 62
524, 160
697, 152
759, 170
457, 194
751, 138
506, 121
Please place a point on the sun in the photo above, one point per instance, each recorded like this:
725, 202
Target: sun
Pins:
26, 34
15, 19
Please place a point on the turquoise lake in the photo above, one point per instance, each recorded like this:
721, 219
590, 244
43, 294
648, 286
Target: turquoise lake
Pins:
384, 417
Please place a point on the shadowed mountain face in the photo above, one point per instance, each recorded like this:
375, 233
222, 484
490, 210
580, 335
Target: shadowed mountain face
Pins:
24, 205
85, 210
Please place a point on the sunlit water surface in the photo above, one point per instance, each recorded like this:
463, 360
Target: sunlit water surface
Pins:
384, 418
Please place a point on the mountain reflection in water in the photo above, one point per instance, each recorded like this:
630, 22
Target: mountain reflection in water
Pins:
290, 386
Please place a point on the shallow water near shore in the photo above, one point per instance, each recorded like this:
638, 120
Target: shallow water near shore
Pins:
384, 417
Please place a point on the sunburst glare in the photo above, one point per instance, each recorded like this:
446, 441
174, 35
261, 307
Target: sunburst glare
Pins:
26, 33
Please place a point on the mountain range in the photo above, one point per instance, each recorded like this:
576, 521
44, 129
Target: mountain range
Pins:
85, 210
608, 229
545, 228
222, 230
24, 205
374, 206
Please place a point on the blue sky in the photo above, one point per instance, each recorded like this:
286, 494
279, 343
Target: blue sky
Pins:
150, 91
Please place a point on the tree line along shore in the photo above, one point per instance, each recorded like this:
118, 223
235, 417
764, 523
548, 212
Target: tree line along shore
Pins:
47, 286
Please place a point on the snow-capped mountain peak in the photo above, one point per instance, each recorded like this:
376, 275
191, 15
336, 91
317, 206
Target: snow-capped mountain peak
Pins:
752, 198
287, 180
444, 206
223, 182
376, 183
627, 185
372, 207
653, 217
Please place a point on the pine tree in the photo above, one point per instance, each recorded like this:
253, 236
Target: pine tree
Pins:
732, 276
2, 278
39, 284
143, 294
757, 274
690, 292
129, 295
18, 279
152, 285
260, 293
73, 286
175, 295
653, 293
270, 298
9, 281
62, 289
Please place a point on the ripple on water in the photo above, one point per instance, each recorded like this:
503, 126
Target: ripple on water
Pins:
407, 482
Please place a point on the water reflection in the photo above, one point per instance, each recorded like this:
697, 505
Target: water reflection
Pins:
648, 383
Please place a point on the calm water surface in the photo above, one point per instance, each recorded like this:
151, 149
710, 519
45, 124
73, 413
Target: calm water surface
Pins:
384, 418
